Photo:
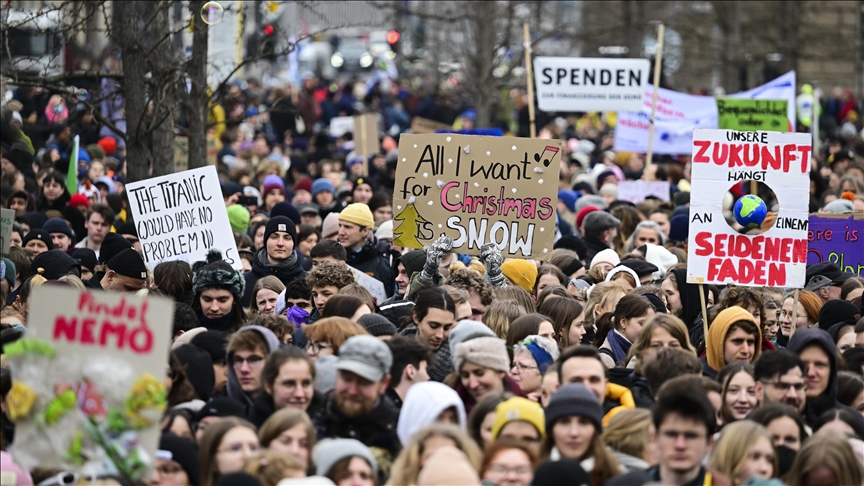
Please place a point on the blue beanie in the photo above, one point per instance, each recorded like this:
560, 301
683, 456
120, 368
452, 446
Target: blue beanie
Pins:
569, 198
286, 209
322, 185
679, 227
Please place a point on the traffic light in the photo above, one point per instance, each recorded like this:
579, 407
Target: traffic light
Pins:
393, 39
268, 44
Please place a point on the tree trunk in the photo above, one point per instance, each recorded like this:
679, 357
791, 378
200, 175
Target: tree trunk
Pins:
134, 86
480, 83
198, 97
164, 100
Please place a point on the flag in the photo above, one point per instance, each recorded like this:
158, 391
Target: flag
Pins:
72, 173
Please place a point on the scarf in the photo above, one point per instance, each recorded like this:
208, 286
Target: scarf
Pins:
219, 324
620, 346
289, 262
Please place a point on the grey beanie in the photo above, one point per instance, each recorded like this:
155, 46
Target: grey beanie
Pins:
328, 452
465, 329
839, 206
573, 399
590, 200
325, 373
377, 325
488, 352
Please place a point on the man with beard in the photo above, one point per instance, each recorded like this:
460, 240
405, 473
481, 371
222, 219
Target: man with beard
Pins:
781, 376
359, 407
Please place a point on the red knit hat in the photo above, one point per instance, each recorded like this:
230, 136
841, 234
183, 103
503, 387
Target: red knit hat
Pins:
584, 212
79, 200
304, 184
108, 144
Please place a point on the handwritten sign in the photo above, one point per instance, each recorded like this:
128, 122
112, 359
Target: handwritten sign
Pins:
477, 190
638, 191
181, 153
88, 391
7, 218
420, 125
753, 115
585, 84
181, 216
717, 254
340, 125
837, 238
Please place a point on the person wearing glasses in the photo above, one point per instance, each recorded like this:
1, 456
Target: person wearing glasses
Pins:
247, 350
225, 447
508, 462
176, 463
531, 358
781, 374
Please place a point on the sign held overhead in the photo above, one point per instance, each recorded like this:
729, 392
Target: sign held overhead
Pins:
587, 84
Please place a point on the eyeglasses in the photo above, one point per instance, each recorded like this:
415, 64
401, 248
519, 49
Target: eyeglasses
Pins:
521, 367
502, 470
317, 347
254, 361
784, 387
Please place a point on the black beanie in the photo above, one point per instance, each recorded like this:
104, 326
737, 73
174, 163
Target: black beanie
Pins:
574, 243
199, 369
238, 479
129, 263
214, 343
85, 257
838, 312
283, 224
221, 407
111, 246
563, 472
182, 451
56, 264
39, 234
216, 273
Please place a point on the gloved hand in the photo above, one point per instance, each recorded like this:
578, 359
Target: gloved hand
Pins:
434, 253
492, 258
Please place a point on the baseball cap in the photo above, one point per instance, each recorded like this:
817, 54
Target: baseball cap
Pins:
365, 356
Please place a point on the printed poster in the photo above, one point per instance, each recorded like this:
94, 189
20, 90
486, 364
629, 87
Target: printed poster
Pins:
837, 238
590, 84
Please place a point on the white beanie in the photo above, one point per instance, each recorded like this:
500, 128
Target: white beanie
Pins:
608, 256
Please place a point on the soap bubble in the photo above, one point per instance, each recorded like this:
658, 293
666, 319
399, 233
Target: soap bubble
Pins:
82, 94
212, 13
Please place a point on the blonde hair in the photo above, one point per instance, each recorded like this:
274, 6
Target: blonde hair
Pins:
500, 314
601, 295
629, 432
473, 265
406, 468
731, 450
271, 467
829, 449
73, 281
671, 324
362, 293
269, 282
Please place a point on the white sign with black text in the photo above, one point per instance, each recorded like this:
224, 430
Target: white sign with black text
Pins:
587, 84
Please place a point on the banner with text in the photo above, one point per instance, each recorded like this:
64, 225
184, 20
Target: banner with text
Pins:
717, 254
637, 191
181, 216
837, 238
88, 393
678, 114
753, 115
477, 190
590, 84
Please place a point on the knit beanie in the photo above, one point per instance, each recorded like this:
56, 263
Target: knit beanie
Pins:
214, 342
330, 451
359, 214
521, 272
285, 208
111, 246
182, 451
574, 399
518, 408
271, 182
377, 325
717, 335
568, 197
238, 216
488, 352
563, 472
413, 261
330, 226
304, 184
215, 273
465, 329
39, 234
610, 189
58, 225
79, 200
282, 224
679, 227
607, 256
322, 185
448, 466
590, 200
838, 312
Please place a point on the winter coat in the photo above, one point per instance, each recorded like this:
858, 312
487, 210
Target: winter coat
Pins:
594, 247
369, 261
286, 272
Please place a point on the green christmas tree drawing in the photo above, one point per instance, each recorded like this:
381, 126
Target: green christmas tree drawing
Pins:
410, 222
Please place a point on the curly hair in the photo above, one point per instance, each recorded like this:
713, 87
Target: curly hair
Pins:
328, 274
471, 281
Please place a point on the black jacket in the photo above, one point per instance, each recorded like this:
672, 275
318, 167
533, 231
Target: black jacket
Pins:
594, 246
286, 273
369, 261
637, 384
376, 430
262, 408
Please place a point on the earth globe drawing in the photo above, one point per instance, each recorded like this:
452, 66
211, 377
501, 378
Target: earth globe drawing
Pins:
750, 211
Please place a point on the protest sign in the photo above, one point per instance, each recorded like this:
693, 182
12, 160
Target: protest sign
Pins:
7, 217
88, 391
678, 114
420, 126
212, 149
340, 125
181, 153
638, 191
370, 283
181, 216
477, 190
837, 238
366, 140
752, 115
586, 84
717, 254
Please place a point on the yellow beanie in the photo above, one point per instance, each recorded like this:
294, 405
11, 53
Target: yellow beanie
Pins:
359, 214
518, 408
521, 272
717, 335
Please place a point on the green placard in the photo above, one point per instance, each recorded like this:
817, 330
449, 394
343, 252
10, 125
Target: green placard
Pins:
753, 115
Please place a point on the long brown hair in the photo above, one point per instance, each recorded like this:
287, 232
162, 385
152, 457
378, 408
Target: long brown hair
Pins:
605, 464
209, 445
562, 311
671, 324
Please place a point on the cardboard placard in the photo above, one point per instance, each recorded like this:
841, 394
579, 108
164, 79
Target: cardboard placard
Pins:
638, 191
837, 238
588, 84
421, 126
181, 153
88, 391
366, 134
477, 190
753, 115
340, 125
372, 284
717, 254
181, 216
7, 218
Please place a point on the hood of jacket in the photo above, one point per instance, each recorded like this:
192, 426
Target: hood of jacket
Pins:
800, 340
233, 386
423, 403
717, 335
285, 271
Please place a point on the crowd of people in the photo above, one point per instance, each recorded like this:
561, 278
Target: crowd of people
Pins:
337, 357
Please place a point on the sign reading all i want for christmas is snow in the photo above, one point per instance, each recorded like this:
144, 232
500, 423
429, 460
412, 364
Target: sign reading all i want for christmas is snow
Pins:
477, 190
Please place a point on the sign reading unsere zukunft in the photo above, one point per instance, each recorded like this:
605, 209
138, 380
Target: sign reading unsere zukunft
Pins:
717, 254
